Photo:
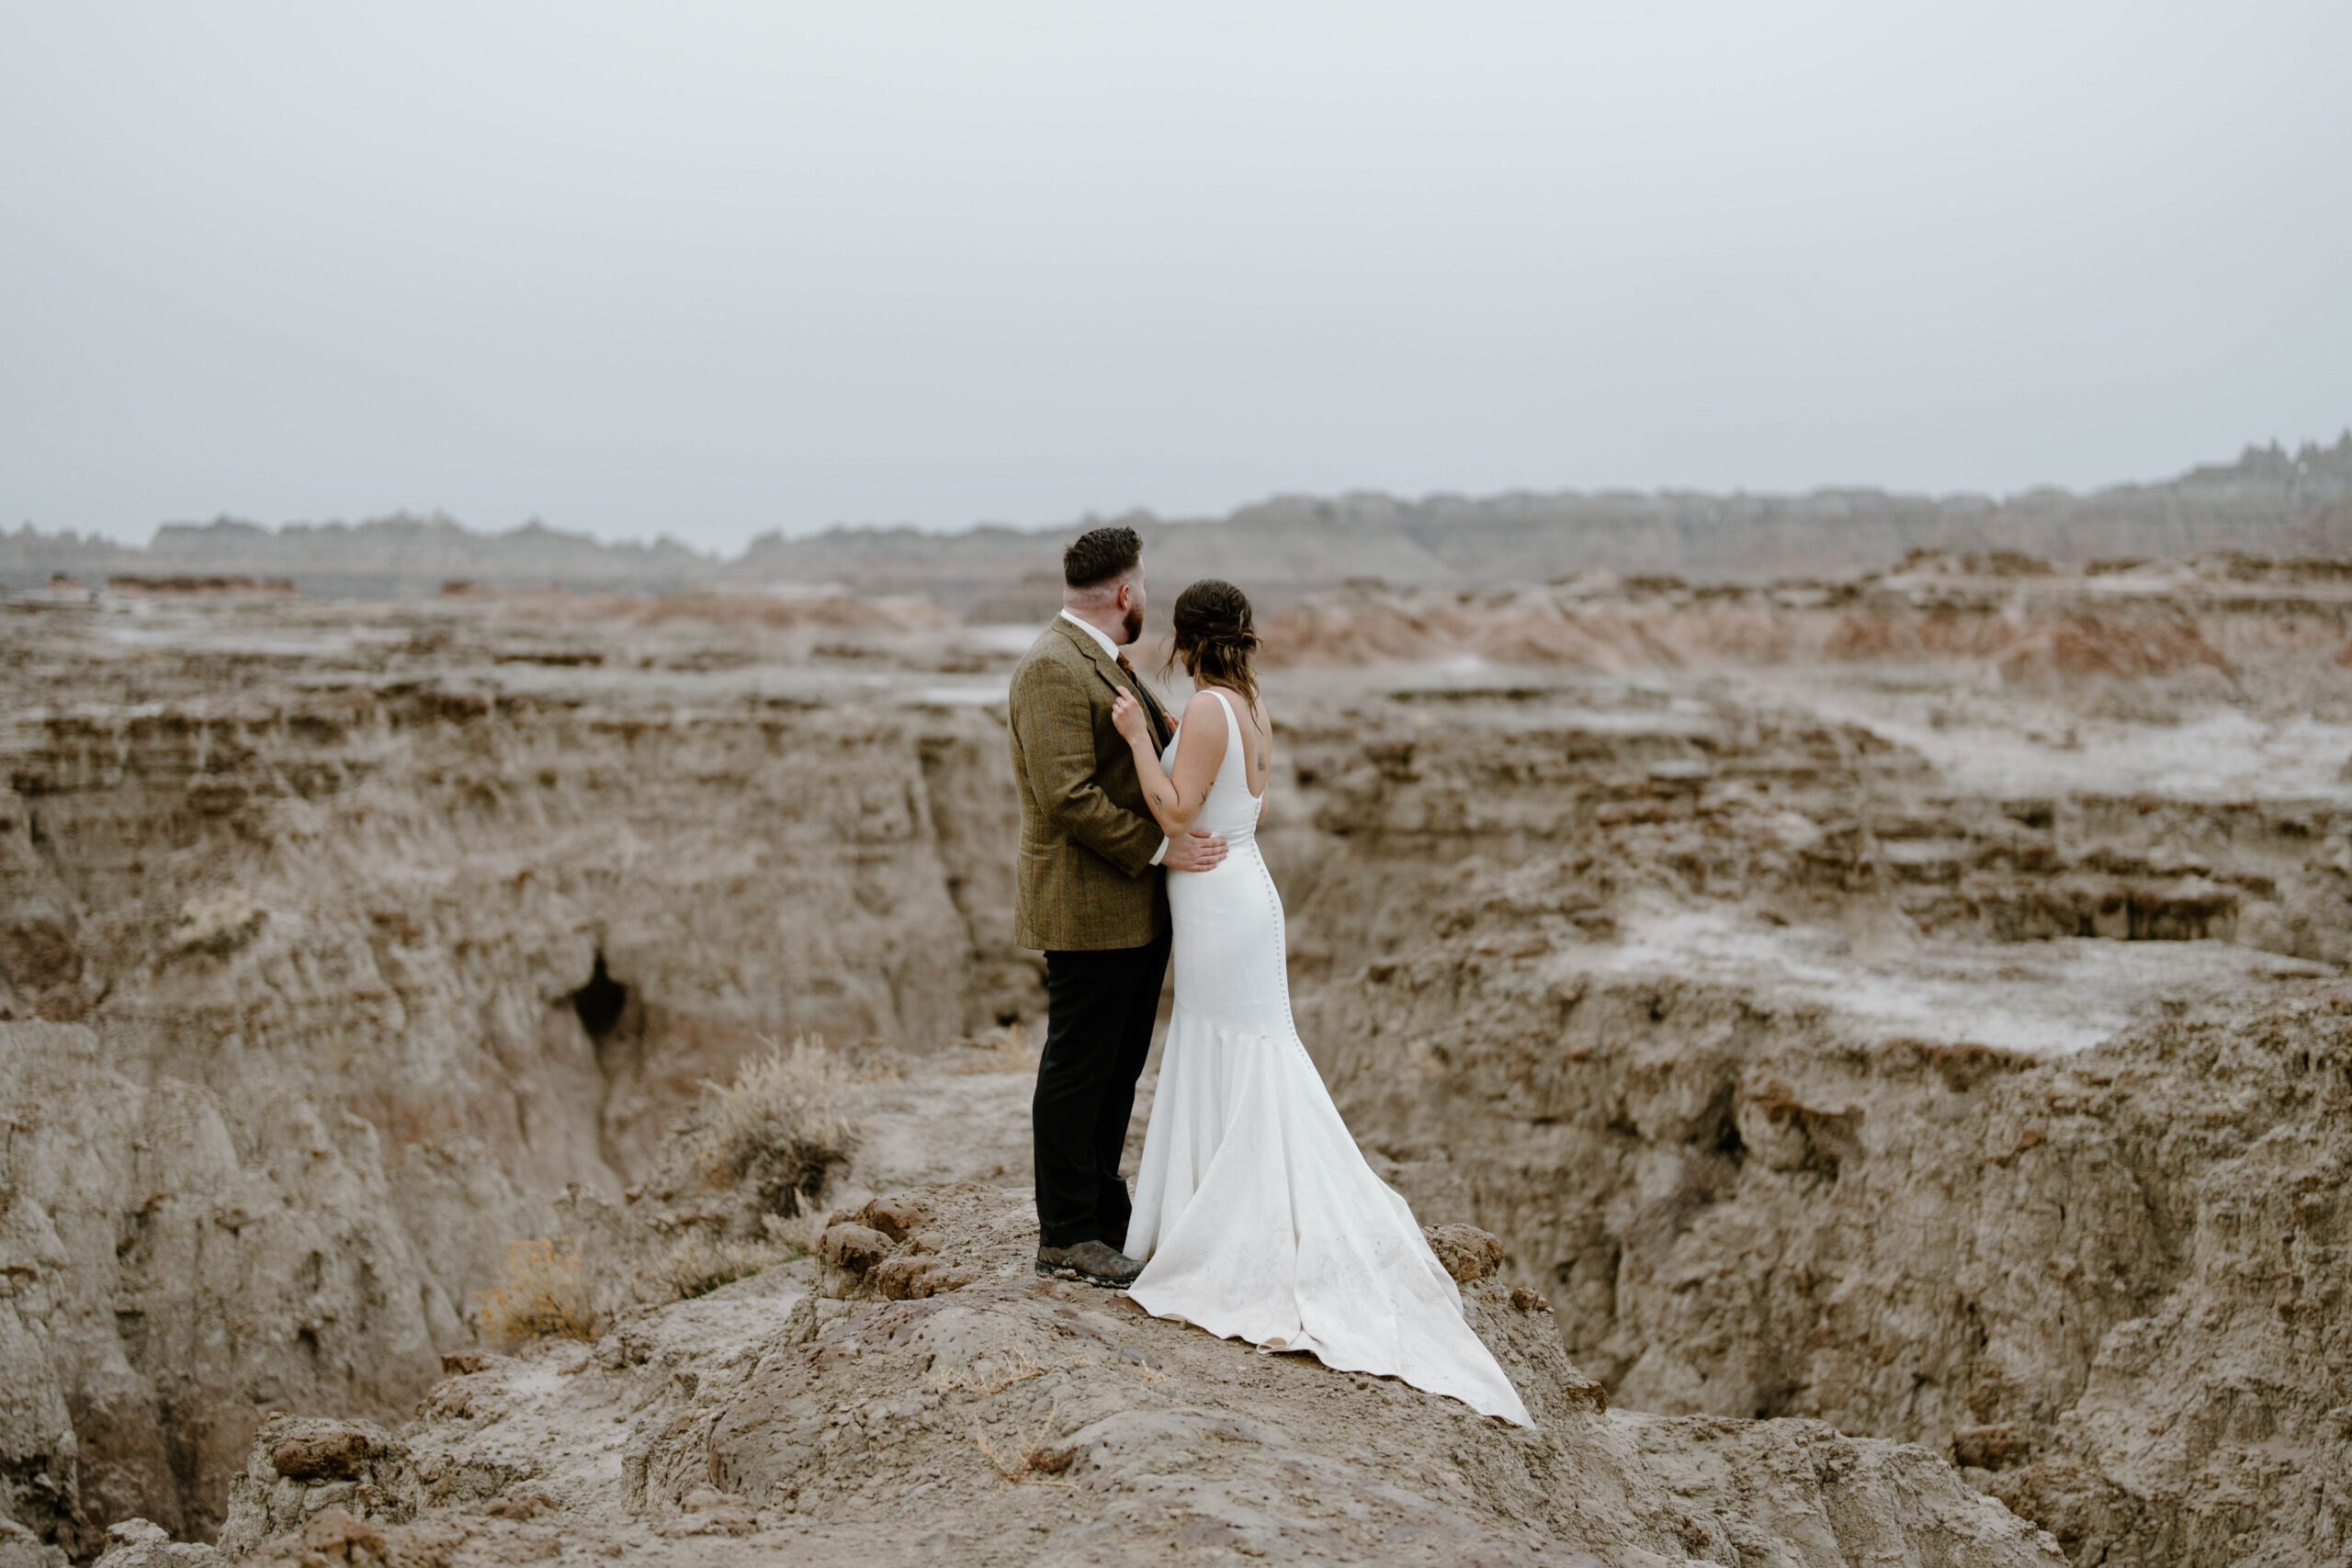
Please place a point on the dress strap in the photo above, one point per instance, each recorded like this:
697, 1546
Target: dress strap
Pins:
1232, 724
1236, 746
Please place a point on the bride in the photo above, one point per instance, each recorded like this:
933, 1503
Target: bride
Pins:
1259, 1217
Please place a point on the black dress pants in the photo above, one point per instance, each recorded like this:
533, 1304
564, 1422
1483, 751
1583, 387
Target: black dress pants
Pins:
1099, 1011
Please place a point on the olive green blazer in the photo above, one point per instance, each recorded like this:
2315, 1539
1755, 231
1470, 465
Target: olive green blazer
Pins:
1085, 881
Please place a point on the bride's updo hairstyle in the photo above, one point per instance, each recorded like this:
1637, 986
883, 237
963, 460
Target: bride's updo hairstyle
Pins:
1215, 636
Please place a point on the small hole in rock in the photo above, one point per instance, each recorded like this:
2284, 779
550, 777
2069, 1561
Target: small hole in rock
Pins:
599, 1003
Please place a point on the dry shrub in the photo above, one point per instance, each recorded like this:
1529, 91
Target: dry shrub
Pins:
797, 1235
778, 1128
697, 1264
1001, 1373
545, 1295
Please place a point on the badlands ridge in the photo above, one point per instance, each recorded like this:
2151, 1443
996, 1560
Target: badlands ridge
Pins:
1878, 1056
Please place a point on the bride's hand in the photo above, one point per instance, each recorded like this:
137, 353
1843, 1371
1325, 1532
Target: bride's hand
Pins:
1126, 717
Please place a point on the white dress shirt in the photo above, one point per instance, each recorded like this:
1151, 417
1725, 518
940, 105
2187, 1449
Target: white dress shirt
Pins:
1112, 650
1097, 633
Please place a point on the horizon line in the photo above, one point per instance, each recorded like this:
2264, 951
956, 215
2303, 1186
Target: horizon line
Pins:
2273, 448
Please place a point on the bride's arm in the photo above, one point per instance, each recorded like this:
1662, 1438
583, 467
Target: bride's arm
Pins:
1174, 798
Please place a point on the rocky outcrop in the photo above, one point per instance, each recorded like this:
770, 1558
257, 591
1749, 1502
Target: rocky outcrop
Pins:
2108, 1286
998, 1417
174, 1265
300, 1470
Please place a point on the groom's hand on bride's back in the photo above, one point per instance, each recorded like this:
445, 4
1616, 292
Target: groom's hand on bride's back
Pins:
1195, 851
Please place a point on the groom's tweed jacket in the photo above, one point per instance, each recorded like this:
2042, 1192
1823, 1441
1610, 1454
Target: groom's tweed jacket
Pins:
1086, 881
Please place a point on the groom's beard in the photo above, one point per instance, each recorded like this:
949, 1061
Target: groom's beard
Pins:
1134, 625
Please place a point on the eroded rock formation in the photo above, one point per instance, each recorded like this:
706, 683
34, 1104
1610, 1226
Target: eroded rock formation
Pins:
1741, 1032
1914, 1014
360, 977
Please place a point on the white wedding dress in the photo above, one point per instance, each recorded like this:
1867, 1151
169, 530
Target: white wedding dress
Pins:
1257, 1213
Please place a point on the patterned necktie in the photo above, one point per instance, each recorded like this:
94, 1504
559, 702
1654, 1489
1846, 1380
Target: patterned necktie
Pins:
1151, 708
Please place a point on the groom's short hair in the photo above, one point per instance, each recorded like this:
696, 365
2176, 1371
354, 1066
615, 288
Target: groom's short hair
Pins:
1101, 553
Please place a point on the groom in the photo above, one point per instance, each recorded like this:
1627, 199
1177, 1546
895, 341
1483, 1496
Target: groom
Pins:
1090, 894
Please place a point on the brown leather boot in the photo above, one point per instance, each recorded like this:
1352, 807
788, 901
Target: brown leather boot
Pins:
1097, 1263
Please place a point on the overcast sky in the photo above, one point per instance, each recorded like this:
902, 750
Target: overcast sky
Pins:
709, 269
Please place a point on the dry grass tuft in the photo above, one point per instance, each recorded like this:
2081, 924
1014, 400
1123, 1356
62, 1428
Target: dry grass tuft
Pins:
1029, 1459
990, 1376
545, 1295
697, 1264
778, 1128
798, 1235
